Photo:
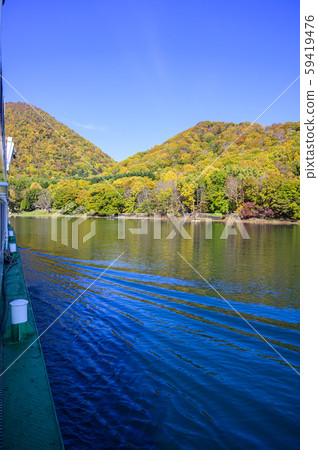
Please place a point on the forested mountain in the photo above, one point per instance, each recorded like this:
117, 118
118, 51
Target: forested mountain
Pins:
39, 150
214, 167
241, 145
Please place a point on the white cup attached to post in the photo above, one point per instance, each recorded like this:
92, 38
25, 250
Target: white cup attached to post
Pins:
19, 311
13, 247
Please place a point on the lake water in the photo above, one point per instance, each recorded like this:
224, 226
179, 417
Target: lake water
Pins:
150, 357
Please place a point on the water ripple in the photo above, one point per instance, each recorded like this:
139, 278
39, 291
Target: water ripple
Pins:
149, 361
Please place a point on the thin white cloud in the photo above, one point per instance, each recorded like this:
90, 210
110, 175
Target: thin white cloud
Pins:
89, 126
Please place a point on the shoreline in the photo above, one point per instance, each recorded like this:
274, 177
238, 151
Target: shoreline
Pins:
200, 218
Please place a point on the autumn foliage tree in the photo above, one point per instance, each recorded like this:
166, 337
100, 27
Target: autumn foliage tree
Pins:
213, 167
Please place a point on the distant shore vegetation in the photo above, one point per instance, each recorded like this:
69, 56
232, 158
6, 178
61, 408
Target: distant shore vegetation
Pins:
214, 167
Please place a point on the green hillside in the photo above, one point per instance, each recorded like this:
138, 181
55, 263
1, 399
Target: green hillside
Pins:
216, 167
242, 145
41, 151
213, 167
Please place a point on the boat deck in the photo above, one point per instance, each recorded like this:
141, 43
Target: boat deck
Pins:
29, 418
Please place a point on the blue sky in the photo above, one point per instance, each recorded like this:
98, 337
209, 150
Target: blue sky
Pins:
130, 74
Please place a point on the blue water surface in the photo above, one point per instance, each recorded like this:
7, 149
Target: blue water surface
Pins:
149, 356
